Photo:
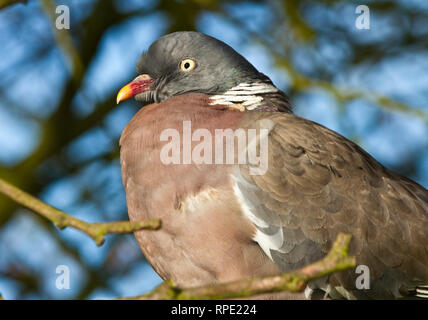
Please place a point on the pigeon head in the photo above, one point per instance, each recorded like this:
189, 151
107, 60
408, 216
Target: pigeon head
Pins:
184, 62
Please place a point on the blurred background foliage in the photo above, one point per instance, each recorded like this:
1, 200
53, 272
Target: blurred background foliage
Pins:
60, 126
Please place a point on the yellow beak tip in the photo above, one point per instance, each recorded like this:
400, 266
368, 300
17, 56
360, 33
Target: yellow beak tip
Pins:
123, 94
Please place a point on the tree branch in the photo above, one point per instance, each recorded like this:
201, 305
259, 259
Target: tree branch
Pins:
65, 43
336, 260
6, 3
96, 231
303, 83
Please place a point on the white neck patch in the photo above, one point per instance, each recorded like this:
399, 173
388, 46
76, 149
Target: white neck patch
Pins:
246, 94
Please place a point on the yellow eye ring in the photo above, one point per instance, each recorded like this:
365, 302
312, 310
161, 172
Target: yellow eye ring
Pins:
187, 65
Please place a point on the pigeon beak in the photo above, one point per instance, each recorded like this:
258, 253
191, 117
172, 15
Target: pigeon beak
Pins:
138, 85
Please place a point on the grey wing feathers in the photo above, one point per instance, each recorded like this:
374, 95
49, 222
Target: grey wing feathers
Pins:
318, 184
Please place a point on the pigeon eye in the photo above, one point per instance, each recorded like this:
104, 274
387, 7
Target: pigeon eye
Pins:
187, 65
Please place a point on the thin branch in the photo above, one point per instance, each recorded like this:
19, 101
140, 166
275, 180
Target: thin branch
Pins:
302, 83
6, 3
336, 260
65, 42
96, 230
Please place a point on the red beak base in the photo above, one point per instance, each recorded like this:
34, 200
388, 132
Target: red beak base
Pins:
138, 85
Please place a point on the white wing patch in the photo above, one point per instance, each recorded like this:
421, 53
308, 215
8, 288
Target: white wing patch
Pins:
266, 241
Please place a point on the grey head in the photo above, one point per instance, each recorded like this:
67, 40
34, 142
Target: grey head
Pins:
184, 62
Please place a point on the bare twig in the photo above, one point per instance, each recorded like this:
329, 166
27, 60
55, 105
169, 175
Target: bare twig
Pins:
6, 3
336, 260
65, 42
303, 83
96, 231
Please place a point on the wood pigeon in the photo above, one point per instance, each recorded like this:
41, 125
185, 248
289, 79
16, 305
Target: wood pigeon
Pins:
274, 205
